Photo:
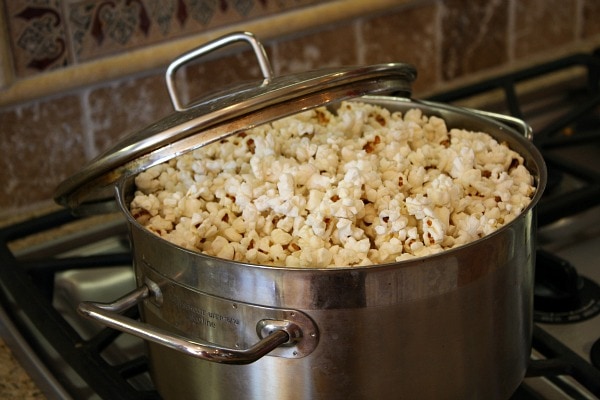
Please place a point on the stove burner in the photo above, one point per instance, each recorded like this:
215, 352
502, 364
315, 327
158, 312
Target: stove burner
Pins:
561, 295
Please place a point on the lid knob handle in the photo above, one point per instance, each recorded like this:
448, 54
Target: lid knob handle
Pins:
259, 51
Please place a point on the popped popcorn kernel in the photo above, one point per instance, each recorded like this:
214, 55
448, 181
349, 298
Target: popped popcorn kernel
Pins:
356, 187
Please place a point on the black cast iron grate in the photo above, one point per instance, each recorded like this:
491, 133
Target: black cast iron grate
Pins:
561, 361
26, 297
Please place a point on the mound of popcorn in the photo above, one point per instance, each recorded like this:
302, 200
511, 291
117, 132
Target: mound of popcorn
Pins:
358, 186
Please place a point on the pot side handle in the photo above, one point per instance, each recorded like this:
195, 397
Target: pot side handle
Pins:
109, 314
521, 126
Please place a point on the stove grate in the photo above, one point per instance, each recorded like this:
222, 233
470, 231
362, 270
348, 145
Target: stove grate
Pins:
30, 310
559, 361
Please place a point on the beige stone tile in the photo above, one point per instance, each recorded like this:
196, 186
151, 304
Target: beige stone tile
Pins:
591, 18
42, 144
407, 35
332, 46
118, 109
474, 36
541, 25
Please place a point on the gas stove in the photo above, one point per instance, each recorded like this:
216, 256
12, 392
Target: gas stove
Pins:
50, 263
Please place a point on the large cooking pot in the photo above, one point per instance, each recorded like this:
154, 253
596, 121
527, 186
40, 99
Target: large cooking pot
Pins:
455, 325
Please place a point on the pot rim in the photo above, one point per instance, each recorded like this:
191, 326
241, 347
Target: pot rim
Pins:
223, 114
539, 174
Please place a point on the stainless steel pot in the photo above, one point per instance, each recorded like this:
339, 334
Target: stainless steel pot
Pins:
455, 325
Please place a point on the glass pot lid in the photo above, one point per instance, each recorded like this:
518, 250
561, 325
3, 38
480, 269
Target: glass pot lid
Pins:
91, 190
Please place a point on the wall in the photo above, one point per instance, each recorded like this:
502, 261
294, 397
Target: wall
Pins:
53, 119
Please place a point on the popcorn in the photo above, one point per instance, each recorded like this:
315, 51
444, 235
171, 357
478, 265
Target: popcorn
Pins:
360, 187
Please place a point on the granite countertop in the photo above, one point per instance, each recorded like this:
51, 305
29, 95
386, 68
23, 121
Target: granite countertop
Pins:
15, 383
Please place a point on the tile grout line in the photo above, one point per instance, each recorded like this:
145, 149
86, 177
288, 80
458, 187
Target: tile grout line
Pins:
89, 143
579, 20
510, 32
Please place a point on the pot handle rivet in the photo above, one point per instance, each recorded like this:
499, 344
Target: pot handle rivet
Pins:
156, 296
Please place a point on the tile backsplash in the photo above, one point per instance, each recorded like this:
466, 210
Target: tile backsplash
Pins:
53, 34
47, 133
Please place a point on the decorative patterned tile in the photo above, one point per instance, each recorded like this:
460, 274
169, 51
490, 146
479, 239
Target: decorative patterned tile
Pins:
50, 34
101, 28
474, 36
38, 37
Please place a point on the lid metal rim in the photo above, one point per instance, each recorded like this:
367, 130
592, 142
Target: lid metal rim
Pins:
222, 115
92, 186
